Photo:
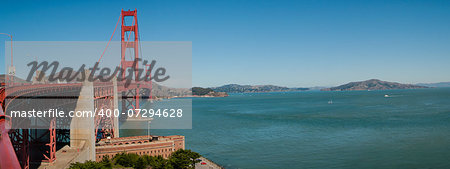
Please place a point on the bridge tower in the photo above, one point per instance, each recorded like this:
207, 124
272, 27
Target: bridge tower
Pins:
131, 44
127, 43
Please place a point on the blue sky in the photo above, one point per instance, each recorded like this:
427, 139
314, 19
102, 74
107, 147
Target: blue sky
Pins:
288, 43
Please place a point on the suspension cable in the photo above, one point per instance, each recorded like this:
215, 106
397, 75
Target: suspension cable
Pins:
140, 47
110, 38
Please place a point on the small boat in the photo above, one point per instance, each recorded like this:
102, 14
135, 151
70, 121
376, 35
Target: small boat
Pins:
386, 95
330, 102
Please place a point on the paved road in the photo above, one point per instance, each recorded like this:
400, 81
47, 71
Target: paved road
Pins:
209, 164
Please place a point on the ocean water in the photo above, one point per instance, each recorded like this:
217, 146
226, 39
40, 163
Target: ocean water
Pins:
360, 129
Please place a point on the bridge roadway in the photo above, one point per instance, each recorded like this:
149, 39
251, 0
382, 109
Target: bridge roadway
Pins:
15, 149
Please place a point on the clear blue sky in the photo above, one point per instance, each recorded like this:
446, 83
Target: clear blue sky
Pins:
288, 43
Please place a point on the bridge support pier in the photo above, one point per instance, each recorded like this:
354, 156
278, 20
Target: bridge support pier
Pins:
82, 128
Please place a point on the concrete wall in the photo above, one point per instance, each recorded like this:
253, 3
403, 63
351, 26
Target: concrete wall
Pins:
116, 106
83, 128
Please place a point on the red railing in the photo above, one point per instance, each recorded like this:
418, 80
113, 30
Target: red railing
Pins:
8, 156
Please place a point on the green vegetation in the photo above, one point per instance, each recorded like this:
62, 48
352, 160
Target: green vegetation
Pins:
373, 84
201, 91
104, 164
235, 88
180, 159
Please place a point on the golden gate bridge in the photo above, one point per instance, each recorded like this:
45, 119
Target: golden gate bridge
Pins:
28, 148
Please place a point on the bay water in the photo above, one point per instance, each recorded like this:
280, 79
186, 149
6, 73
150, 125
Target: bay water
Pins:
315, 129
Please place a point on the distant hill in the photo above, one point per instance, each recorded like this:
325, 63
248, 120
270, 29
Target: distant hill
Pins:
235, 88
198, 91
160, 91
372, 84
440, 84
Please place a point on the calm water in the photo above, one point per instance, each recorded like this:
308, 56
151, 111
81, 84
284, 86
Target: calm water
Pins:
360, 129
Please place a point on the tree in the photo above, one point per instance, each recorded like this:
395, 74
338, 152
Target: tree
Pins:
184, 159
106, 162
180, 159
126, 160
89, 165
140, 164
159, 163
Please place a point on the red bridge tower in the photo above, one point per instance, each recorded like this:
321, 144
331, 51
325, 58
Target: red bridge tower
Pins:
133, 47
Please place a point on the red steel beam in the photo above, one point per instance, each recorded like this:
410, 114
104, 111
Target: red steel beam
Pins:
7, 153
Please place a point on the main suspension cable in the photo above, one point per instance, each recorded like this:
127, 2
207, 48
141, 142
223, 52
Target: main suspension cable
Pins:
110, 38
